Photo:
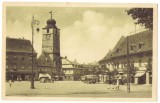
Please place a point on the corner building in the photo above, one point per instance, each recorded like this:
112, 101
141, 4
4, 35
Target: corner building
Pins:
140, 57
19, 59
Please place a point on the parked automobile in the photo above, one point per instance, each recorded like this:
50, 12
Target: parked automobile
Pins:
90, 79
44, 78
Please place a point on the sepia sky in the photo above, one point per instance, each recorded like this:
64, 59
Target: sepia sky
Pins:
86, 34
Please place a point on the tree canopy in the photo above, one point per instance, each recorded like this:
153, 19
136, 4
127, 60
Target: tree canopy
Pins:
143, 16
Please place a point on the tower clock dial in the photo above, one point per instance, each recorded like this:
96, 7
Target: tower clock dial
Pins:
48, 36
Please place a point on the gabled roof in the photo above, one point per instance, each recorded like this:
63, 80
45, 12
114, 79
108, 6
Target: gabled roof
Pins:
44, 60
19, 45
144, 38
119, 43
68, 64
108, 55
135, 40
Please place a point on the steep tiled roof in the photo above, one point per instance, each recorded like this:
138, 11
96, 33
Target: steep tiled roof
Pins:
18, 45
68, 64
108, 56
44, 60
143, 39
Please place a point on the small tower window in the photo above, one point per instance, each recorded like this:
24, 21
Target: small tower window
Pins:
47, 30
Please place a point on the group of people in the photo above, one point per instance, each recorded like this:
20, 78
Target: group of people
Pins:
116, 83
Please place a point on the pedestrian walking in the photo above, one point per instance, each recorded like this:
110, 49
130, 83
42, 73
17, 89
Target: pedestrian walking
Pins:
10, 83
117, 84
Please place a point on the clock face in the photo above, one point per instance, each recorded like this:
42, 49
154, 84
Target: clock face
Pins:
48, 36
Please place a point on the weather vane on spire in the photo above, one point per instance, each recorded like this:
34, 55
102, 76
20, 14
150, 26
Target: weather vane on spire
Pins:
51, 14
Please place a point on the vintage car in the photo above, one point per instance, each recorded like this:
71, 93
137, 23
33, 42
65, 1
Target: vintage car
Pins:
44, 78
90, 79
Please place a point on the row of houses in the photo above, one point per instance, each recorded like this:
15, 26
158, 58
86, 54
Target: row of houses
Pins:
19, 57
140, 57
19, 63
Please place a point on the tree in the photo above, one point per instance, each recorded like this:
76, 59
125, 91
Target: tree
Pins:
143, 16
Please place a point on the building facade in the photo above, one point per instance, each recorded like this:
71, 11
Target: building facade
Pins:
50, 49
19, 59
140, 57
71, 69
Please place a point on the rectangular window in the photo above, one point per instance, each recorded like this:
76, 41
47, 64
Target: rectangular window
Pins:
122, 65
22, 58
47, 30
6, 57
14, 66
14, 57
7, 67
30, 67
22, 66
140, 46
149, 60
125, 65
118, 65
131, 47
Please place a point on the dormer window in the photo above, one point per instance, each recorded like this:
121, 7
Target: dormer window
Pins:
117, 50
132, 46
141, 44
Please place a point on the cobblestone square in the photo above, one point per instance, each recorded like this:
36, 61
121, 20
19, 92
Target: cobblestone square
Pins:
76, 89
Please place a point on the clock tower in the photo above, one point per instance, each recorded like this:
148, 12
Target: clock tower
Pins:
51, 43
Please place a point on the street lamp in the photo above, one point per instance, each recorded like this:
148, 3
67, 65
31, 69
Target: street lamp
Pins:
128, 67
33, 23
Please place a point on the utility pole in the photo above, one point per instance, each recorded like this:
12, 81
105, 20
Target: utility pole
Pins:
34, 22
128, 67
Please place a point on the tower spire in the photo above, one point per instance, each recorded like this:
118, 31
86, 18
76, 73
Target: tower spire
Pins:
51, 14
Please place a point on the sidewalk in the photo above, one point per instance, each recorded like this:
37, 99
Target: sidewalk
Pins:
137, 88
